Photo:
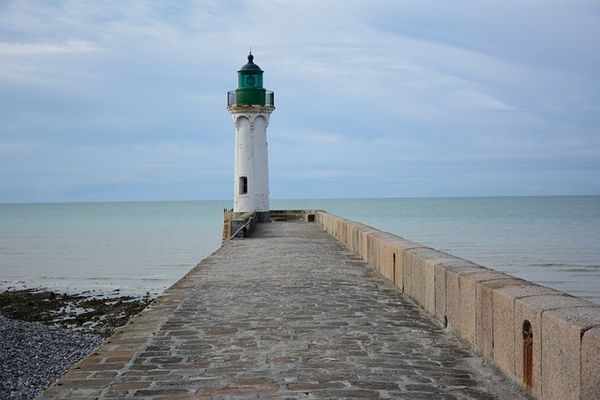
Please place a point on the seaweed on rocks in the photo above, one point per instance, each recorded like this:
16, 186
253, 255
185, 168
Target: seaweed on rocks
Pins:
98, 314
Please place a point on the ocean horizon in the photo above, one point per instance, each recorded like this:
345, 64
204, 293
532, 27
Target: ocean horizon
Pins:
145, 246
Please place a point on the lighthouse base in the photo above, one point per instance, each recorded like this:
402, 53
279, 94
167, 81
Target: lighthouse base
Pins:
263, 216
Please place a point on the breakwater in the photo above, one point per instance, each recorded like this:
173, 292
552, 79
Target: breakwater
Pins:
288, 313
545, 340
311, 306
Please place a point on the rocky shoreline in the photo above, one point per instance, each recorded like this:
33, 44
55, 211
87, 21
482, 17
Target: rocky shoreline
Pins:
43, 333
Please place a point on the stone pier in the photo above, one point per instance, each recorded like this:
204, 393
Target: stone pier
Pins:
289, 313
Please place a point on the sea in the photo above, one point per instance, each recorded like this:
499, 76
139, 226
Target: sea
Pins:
140, 248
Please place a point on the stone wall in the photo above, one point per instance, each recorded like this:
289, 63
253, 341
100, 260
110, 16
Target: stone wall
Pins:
545, 340
293, 215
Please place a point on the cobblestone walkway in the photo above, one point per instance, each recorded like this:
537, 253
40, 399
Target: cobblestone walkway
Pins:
288, 314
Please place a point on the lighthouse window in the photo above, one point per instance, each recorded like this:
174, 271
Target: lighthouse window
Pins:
243, 184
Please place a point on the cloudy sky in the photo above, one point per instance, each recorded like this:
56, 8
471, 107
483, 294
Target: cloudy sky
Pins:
125, 100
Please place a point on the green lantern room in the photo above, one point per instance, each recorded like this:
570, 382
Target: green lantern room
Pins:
250, 91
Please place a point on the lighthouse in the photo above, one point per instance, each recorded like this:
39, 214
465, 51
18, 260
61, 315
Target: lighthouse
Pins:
250, 106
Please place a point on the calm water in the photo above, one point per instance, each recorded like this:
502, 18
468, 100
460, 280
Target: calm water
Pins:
135, 247
139, 247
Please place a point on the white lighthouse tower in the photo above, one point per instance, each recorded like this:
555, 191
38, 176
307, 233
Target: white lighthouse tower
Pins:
250, 107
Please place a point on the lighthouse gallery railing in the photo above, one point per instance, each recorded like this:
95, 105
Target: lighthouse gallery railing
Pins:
269, 98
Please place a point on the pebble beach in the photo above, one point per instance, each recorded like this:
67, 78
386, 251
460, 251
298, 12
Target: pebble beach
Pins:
34, 355
44, 333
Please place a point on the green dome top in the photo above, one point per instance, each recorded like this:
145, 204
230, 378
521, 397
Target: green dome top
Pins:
250, 90
250, 66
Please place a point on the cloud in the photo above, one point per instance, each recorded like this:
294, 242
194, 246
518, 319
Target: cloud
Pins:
475, 101
27, 49
62, 170
308, 137
96, 96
